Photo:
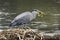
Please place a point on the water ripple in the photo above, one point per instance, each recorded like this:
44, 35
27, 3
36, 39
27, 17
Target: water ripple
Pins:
2, 18
56, 14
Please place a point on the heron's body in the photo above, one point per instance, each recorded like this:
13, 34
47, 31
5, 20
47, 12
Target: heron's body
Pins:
24, 18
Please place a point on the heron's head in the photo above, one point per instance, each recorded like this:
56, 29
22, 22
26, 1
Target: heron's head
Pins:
39, 13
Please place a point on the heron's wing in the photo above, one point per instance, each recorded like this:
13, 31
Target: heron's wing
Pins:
22, 20
20, 16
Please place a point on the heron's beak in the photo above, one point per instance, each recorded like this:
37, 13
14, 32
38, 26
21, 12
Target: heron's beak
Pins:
41, 14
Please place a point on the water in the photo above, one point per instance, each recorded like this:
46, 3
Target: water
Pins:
11, 8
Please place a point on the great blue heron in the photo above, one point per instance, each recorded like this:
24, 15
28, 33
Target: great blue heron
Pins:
26, 17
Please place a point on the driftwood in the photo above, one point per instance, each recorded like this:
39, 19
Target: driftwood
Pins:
25, 34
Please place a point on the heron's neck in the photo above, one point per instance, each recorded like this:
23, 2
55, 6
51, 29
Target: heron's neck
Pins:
34, 14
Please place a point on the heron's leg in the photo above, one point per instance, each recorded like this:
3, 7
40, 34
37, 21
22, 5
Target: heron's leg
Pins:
26, 26
23, 26
20, 26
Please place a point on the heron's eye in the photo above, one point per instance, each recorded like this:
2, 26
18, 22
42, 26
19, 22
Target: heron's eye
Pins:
35, 10
39, 12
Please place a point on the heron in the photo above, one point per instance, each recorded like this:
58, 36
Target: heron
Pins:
26, 17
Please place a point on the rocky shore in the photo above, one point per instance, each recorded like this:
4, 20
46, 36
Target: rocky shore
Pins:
26, 34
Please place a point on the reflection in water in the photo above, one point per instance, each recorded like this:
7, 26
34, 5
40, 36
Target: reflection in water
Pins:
10, 9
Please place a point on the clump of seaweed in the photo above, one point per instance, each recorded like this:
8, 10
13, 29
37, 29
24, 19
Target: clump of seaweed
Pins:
25, 34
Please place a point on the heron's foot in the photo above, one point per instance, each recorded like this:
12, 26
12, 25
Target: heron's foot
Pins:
24, 27
27, 27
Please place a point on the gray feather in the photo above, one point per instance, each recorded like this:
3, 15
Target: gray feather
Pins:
22, 20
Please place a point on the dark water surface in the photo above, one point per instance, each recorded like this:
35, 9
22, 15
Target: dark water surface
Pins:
11, 8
